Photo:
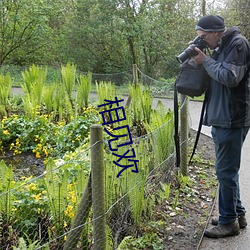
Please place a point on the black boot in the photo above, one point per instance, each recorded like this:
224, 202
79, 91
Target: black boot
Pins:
221, 231
241, 219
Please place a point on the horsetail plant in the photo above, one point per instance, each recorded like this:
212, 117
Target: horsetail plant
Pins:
141, 109
56, 184
5, 89
62, 105
161, 128
83, 90
48, 98
6, 184
105, 90
33, 85
68, 74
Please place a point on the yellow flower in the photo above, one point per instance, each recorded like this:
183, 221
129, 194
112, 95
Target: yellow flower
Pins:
38, 155
45, 151
37, 196
69, 211
73, 199
6, 132
31, 187
17, 152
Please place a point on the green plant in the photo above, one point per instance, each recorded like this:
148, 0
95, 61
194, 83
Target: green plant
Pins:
23, 134
30, 208
137, 182
160, 131
29, 245
83, 91
105, 90
131, 186
6, 196
64, 182
141, 109
48, 98
68, 74
184, 181
34, 81
5, 90
58, 102
164, 192
176, 199
56, 187
147, 241
42, 136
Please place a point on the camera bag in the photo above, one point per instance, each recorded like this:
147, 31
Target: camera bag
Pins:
192, 79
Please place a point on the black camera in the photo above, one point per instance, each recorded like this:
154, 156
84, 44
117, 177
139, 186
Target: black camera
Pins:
190, 51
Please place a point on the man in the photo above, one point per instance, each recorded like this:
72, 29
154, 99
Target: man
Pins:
228, 112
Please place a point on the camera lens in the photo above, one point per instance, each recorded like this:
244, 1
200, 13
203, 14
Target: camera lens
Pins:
190, 51
187, 53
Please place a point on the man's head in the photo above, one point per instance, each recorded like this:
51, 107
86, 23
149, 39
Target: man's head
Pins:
211, 28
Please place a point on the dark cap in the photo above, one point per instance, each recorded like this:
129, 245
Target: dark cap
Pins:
210, 23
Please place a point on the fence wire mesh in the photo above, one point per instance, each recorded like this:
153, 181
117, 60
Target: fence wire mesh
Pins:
52, 209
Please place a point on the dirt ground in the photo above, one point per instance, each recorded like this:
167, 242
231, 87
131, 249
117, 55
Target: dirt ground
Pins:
187, 222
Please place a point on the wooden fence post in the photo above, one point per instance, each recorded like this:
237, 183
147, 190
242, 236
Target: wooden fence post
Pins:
98, 191
135, 74
135, 82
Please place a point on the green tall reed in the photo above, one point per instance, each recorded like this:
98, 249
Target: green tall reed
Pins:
129, 182
33, 86
48, 97
68, 74
56, 184
62, 106
5, 90
161, 128
83, 91
6, 184
141, 103
105, 90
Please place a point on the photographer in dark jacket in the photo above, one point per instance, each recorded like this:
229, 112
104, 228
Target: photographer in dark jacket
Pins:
228, 112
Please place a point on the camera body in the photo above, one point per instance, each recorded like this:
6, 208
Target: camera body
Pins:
190, 51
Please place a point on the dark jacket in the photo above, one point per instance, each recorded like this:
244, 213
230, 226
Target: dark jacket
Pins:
229, 90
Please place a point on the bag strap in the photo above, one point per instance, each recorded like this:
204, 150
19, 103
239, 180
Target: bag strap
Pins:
176, 126
199, 127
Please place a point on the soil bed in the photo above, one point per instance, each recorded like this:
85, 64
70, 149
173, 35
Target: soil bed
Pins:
25, 164
187, 221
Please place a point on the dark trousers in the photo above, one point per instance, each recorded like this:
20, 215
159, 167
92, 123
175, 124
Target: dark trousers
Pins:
228, 145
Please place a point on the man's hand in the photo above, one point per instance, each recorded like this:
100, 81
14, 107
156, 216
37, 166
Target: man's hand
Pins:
200, 58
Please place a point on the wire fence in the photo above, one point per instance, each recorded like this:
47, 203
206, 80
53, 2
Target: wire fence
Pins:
160, 87
57, 209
